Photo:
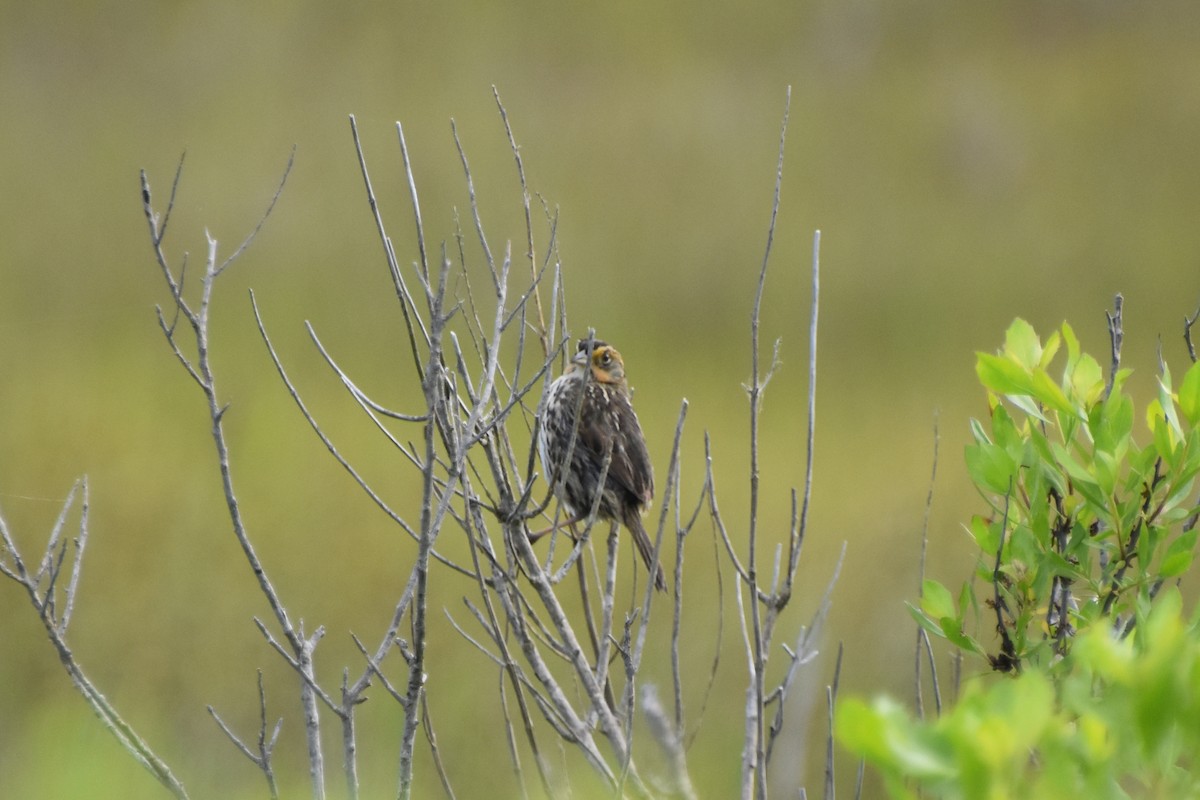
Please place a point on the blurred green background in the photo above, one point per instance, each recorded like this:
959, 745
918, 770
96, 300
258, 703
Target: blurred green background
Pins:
966, 163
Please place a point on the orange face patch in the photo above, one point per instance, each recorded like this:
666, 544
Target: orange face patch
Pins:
607, 366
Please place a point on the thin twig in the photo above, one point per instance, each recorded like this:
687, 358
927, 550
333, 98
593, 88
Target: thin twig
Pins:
262, 220
77, 565
1116, 335
260, 755
804, 652
669, 739
537, 298
407, 306
831, 697
434, 751
811, 425
754, 761
200, 369
1188, 323
922, 636
43, 605
1007, 660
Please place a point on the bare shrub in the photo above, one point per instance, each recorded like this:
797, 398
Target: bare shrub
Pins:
483, 355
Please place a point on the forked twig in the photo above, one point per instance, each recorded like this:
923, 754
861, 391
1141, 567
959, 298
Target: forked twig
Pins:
923, 642
264, 746
299, 648
40, 587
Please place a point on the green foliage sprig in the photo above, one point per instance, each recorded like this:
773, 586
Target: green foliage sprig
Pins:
1085, 523
1126, 723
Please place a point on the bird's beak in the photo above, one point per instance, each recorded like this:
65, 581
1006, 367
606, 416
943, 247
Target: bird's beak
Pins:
581, 358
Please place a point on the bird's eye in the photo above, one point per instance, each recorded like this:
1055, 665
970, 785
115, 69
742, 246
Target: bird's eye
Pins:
606, 358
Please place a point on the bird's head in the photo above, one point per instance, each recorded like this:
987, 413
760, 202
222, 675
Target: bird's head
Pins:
605, 361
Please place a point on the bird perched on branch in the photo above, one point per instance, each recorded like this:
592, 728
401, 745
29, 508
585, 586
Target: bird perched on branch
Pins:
587, 419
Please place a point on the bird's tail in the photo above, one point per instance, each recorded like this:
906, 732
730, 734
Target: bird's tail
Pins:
633, 522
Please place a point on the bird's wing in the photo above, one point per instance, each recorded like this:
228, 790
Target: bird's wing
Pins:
630, 467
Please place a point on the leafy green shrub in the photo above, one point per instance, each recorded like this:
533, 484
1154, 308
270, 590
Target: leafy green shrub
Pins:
1085, 528
1084, 522
1121, 720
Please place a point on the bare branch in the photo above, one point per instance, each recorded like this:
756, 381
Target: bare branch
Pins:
77, 565
537, 299
1116, 335
754, 769
263, 221
670, 741
48, 562
260, 756
804, 652
1188, 324
44, 605
407, 306
831, 697
922, 636
434, 751
810, 433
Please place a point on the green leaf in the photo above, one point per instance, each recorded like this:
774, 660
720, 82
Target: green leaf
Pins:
1046, 391
1029, 405
862, 729
1070, 464
936, 600
882, 733
1176, 507
990, 467
966, 600
1050, 349
1086, 380
1166, 402
1179, 554
1119, 380
1190, 459
1097, 501
952, 630
1189, 395
1073, 349
1106, 469
1164, 440
1004, 430
1005, 376
986, 536
1022, 343
1111, 424
924, 620
1002, 375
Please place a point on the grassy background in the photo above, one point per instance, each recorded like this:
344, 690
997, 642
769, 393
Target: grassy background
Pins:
966, 165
